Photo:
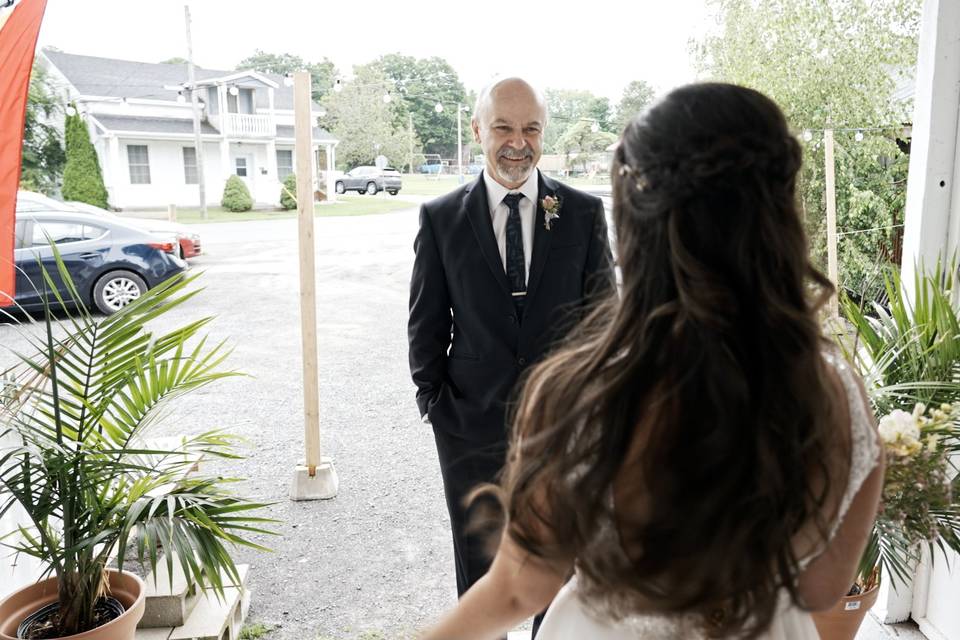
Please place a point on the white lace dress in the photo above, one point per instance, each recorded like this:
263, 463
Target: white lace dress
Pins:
580, 612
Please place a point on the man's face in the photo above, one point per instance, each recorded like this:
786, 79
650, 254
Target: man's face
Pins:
509, 128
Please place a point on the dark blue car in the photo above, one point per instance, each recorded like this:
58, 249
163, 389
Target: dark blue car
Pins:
111, 263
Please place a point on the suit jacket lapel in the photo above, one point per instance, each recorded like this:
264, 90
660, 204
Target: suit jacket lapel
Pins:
541, 236
478, 212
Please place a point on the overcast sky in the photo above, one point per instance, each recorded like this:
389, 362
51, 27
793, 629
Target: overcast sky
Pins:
599, 45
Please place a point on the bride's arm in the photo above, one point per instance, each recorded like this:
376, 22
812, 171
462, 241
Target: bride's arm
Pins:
517, 587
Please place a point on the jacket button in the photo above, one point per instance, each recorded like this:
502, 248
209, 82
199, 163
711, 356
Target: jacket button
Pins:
521, 361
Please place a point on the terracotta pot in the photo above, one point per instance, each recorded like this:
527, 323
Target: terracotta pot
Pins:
125, 587
843, 620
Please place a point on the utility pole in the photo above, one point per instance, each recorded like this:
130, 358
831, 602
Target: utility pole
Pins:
831, 193
410, 126
195, 103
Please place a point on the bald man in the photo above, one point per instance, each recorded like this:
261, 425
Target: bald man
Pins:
504, 266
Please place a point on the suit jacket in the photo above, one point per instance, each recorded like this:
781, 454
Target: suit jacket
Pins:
468, 348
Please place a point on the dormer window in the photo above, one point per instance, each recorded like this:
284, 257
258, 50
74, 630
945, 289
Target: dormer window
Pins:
240, 103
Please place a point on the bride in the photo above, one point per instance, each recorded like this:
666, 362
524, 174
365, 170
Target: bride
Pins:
696, 460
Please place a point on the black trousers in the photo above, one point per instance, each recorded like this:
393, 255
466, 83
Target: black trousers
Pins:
464, 465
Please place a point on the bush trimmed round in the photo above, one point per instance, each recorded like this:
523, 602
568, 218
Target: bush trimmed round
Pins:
236, 196
288, 192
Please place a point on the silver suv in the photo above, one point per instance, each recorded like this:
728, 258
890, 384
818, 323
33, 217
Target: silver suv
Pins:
370, 180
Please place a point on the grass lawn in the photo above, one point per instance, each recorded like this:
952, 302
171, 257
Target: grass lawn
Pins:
346, 205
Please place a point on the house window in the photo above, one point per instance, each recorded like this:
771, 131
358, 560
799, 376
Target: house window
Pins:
241, 167
139, 162
190, 165
284, 163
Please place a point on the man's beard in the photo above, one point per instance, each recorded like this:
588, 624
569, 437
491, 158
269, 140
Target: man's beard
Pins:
514, 172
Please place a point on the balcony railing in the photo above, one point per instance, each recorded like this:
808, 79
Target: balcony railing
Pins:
246, 125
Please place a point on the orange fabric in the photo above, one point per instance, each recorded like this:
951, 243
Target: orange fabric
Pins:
18, 39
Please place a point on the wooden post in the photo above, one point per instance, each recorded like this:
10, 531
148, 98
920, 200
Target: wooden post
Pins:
831, 193
172, 212
195, 107
315, 478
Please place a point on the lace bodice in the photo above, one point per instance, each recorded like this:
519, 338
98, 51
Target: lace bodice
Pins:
602, 605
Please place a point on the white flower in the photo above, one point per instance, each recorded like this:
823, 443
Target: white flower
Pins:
900, 427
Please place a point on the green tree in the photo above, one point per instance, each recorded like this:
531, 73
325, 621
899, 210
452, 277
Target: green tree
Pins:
82, 177
830, 64
580, 139
636, 96
322, 74
568, 108
43, 154
420, 84
364, 123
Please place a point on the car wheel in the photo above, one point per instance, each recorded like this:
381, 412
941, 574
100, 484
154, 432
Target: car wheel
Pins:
371, 188
340, 189
116, 290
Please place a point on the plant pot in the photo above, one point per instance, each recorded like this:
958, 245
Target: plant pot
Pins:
125, 587
843, 620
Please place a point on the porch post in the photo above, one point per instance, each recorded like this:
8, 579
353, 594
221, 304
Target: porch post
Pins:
331, 164
931, 222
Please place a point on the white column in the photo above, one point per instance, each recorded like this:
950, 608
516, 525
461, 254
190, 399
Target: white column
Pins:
932, 223
273, 115
331, 167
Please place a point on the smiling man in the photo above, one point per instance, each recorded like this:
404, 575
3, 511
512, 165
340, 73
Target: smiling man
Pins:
504, 266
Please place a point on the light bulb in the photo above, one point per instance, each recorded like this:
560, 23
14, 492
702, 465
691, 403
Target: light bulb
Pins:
858, 136
233, 90
438, 108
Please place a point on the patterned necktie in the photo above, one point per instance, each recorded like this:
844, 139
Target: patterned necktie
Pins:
516, 265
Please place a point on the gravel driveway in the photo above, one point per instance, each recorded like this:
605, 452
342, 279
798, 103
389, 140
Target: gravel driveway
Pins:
376, 561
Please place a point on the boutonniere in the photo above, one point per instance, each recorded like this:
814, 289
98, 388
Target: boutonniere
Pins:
551, 210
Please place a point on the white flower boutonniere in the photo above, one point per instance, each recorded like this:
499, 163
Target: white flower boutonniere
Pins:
551, 210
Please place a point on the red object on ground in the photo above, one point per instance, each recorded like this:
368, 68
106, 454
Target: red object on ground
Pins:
18, 39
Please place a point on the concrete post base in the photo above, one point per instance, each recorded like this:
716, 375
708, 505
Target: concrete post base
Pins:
322, 485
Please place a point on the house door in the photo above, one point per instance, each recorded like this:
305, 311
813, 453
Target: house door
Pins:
243, 167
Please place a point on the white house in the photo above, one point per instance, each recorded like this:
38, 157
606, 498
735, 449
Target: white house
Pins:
141, 125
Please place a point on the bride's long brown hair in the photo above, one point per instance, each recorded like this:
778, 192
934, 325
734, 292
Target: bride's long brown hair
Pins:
711, 356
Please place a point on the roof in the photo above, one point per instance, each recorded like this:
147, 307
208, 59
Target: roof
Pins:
151, 125
112, 77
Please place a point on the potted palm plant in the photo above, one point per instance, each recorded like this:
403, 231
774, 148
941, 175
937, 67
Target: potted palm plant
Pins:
908, 353
75, 413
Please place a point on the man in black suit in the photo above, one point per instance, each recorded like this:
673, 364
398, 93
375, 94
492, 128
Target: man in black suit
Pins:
504, 266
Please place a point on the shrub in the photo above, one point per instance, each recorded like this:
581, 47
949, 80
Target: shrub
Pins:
288, 192
82, 177
236, 196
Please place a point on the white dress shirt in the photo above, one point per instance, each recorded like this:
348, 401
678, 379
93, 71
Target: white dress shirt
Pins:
499, 212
